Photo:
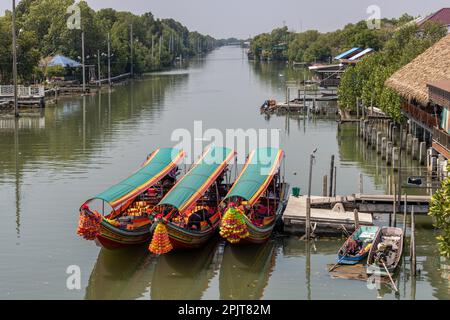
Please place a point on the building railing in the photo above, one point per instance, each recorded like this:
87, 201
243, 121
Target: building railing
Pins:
441, 137
22, 91
428, 119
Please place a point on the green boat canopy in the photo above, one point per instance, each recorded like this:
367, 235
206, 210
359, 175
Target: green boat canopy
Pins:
156, 167
257, 174
195, 183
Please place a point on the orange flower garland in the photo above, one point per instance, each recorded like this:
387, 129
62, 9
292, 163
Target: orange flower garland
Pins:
233, 226
160, 242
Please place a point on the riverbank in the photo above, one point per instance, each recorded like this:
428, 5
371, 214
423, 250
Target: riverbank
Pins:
84, 144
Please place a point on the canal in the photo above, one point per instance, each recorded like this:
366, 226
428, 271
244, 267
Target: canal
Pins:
53, 161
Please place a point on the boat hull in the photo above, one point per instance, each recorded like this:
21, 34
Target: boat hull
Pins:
185, 239
351, 260
181, 238
372, 267
258, 235
111, 237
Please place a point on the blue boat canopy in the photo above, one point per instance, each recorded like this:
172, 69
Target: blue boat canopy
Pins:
347, 53
64, 62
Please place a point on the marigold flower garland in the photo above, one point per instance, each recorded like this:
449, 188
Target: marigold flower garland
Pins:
233, 226
160, 242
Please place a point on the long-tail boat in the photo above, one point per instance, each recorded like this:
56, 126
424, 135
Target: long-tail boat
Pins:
386, 251
257, 198
127, 218
188, 216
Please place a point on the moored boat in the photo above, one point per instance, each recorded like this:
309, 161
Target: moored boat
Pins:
386, 251
358, 245
121, 215
187, 217
256, 199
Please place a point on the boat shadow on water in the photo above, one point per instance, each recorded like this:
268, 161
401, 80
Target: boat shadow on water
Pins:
120, 274
185, 275
245, 270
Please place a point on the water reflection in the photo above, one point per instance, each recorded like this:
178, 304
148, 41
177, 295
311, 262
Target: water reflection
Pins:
185, 275
245, 270
120, 274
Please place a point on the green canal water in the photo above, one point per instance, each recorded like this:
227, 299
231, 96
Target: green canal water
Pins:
53, 161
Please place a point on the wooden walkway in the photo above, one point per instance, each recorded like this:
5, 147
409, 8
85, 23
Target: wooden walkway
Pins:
335, 215
323, 221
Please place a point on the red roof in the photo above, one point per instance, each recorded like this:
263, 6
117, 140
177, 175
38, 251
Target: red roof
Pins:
442, 16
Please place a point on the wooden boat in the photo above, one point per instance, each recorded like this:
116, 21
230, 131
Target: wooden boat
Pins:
256, 200
188, 216
129, 204
358, 245
388, 248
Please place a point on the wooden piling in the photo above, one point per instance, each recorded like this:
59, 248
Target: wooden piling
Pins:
393, 220
356, 218
361, 184
413, 244
325, 185
334, 181
405, 210
330, 193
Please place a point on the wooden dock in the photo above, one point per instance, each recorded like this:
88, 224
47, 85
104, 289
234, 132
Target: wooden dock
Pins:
335, 215
324, 221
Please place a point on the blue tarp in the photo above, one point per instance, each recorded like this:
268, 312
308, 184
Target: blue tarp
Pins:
347, 53
63, 61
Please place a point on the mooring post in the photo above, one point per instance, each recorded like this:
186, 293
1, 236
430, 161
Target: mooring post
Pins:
356, 217
413, 244
383, 148
325, 187
361, 184
389, 152
394, 211
405, 210
330, 192
308, 199
415, 148
409, 139
334, 181
422, 152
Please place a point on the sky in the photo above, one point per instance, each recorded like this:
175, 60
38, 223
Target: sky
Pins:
244, 18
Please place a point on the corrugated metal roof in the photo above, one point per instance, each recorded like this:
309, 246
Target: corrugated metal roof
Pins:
345, 54
361, 54
442, 16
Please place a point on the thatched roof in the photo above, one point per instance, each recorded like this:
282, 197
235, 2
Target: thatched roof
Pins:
432, 65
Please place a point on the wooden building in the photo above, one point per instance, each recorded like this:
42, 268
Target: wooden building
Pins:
424, 85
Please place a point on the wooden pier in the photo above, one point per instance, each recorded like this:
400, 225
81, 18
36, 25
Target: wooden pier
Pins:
335, 215
323, 221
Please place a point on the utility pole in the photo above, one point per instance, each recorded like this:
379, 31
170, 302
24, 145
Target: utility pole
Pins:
131, 50
83, 62
99, 72
14, 45
308, 199
109, 59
